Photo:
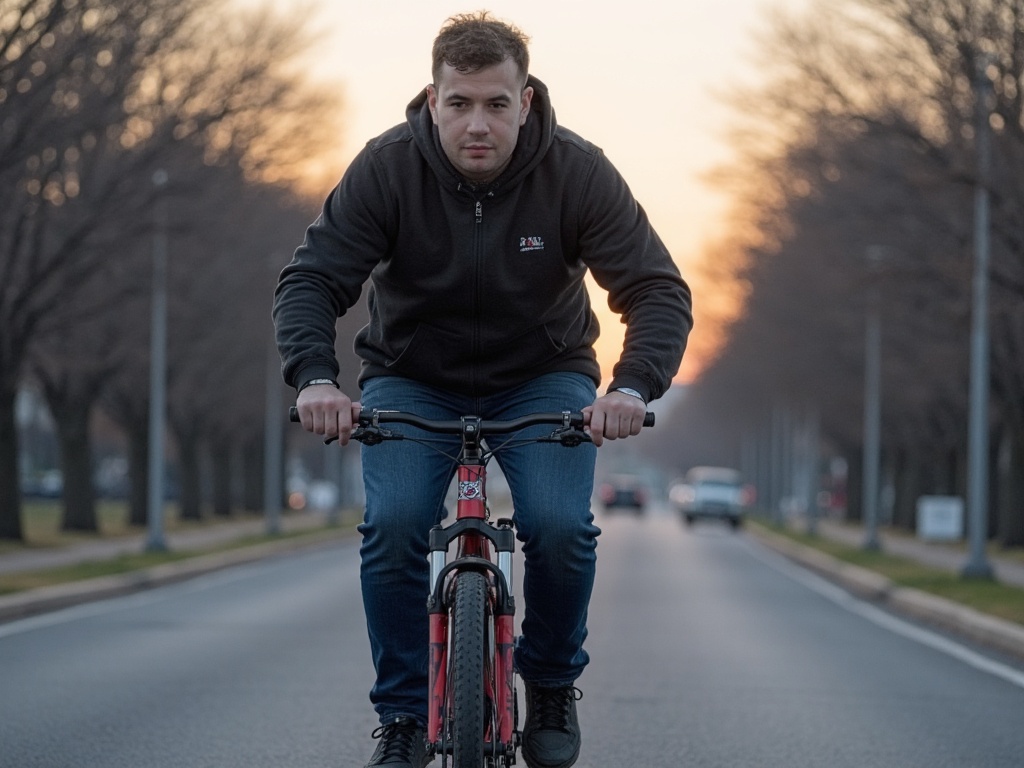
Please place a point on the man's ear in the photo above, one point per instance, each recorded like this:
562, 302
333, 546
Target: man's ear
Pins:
524, 109
432, 101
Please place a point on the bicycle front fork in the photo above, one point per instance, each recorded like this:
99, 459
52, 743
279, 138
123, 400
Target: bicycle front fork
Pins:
500, 688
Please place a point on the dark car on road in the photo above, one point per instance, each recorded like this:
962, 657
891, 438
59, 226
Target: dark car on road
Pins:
623, 491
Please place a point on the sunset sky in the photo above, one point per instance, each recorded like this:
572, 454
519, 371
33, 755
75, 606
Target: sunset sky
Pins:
641, 85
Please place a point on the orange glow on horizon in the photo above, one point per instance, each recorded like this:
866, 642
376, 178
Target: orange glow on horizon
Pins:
714, 309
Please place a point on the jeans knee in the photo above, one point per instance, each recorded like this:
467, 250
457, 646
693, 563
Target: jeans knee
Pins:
393, 541
571, 541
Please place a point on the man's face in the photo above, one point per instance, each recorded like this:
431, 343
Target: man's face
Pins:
478, 116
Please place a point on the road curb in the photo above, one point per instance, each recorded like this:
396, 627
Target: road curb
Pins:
31, 602
990, 631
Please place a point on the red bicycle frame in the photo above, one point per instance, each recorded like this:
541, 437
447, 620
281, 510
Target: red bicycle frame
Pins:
477, 544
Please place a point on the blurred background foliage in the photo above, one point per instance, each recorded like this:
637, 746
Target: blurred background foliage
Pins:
855, 177
854, 174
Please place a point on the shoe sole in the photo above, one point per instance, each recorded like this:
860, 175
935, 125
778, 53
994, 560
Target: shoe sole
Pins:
531, 763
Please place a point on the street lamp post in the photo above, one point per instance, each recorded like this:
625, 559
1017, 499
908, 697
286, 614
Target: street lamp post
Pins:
977, 440
155, 541
273, 442
872, 401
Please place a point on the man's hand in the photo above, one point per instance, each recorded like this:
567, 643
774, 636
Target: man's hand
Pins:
613, 416
326, 410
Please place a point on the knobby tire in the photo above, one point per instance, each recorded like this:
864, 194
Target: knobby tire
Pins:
466, 675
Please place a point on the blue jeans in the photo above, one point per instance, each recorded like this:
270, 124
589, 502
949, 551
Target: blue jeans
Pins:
406, 484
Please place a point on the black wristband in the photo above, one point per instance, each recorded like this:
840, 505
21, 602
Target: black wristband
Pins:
311, 382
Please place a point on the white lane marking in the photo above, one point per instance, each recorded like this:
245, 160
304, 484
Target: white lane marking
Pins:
875, 615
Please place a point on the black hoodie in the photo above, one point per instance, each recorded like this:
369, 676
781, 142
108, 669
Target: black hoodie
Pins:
478, 289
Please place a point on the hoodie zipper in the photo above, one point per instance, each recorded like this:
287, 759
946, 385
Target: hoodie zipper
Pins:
478, 213
479, 281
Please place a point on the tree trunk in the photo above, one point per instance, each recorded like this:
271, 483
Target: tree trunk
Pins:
10, 482
188, 467
76, 465
908, 487
138, 474
252, 471
221, 459
1011, 484
70, 399
854, 486
994, 484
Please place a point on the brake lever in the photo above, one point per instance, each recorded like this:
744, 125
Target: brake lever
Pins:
569, 437
369, 435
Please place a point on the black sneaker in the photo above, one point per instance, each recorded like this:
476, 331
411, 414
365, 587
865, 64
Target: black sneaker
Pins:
551, 735
403, 744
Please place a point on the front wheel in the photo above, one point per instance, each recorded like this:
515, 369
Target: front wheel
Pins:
467, 669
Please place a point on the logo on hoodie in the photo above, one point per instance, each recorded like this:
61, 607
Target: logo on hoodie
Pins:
535, 243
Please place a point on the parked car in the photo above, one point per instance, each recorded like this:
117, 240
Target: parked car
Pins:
623, 491
710, 493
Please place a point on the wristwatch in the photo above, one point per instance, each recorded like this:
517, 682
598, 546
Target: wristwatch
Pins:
313, 382
630, 391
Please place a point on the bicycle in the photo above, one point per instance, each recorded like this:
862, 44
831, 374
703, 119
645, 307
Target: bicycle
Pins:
473, 705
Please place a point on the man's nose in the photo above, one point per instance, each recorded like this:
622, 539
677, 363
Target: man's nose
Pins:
478, 122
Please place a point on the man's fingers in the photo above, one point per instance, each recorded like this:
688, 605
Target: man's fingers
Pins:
598, 421
614, 416
326, 411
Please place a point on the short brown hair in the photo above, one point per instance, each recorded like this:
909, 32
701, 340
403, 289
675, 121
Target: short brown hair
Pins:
472, 41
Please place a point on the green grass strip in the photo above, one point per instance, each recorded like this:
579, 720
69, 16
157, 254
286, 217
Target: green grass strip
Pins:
991, 597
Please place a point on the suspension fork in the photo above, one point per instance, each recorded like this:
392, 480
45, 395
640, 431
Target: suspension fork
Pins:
471, 505
475, 539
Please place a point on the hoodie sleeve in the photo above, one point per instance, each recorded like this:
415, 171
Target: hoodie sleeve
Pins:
327, 273
628, 259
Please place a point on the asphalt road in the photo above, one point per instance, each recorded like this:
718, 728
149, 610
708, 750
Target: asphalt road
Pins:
707, 650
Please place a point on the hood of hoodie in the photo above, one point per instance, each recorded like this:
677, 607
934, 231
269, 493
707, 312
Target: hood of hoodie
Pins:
535, 137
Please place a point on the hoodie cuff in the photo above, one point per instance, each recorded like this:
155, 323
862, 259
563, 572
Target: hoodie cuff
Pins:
312, 373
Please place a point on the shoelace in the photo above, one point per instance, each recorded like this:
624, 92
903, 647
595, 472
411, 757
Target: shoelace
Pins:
397, 740
551, 707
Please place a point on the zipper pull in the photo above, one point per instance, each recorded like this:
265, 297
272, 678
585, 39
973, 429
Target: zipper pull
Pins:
479, 211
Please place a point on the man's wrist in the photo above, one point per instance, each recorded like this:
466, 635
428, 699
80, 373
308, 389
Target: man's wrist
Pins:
314, 382
631, 392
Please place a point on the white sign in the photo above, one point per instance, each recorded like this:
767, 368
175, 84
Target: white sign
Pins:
940, 518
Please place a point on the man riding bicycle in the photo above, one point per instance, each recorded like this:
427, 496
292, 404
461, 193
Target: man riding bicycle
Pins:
475, 222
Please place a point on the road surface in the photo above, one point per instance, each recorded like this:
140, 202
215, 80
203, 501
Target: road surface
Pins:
706, 649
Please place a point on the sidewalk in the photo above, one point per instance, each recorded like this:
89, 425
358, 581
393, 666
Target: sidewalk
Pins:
207, 536
201, 542
946, 557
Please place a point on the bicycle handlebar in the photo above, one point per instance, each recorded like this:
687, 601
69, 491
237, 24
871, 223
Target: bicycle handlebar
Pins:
370, 416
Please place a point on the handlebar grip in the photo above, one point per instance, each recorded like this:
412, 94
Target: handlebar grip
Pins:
649, 419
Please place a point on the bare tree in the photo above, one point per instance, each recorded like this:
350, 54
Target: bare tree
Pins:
863, 139
96, 96
64, 70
